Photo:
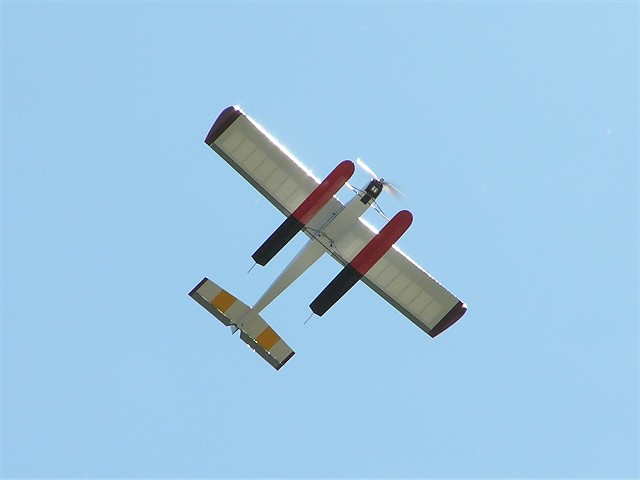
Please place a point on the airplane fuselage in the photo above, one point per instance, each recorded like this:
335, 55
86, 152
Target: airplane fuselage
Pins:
325, 231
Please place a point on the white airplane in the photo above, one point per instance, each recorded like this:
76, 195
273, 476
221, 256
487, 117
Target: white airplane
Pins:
310, 205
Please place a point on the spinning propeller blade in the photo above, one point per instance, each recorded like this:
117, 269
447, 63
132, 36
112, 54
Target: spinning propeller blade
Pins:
393, 190
366, 168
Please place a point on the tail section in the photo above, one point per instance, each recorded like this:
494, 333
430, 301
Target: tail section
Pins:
254, 331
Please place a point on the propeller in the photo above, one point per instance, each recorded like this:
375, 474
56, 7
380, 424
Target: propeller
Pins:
366, 168
392, 189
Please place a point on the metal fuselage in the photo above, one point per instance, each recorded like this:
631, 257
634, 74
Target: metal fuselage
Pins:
324, 233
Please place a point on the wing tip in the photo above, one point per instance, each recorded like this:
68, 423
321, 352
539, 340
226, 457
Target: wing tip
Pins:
197, 287
224, 121
449, 319
285, 360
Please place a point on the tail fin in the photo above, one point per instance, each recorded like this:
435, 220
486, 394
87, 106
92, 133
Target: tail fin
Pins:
254, 331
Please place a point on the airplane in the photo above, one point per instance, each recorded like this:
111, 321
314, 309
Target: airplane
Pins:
310, 206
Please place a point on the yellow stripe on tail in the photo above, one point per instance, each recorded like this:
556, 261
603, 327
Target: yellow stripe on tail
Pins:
254, 331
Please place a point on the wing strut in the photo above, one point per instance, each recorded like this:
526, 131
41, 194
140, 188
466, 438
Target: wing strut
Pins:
304, 213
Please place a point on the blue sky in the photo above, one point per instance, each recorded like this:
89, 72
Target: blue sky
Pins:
511, 127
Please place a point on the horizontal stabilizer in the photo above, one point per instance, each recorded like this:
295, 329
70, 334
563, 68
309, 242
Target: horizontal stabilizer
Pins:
254, 331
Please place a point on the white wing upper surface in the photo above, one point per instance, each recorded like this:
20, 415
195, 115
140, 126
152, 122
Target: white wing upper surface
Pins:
404, 284
285, 182
261, 160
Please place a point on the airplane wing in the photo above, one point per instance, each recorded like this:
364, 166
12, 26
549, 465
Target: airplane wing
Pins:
403, 283
261, 160
286, 183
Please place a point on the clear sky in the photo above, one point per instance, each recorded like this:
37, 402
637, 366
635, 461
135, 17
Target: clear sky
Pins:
511, 127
